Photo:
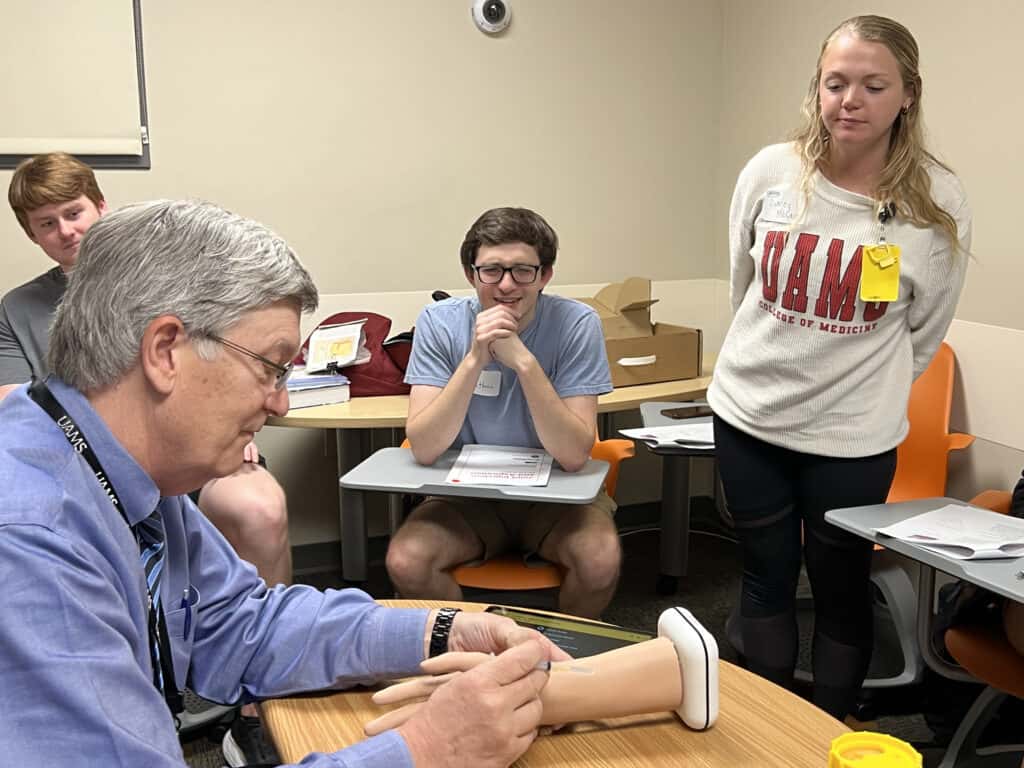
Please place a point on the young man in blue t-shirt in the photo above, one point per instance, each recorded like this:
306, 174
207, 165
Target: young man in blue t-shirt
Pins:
509, 366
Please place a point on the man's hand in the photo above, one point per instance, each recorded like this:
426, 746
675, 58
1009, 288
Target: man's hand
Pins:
492, 325
486, 717
490, 633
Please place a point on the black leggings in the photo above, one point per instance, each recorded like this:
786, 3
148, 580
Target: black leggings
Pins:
776, 498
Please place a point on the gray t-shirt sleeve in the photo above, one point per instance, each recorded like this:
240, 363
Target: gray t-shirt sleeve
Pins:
14, 365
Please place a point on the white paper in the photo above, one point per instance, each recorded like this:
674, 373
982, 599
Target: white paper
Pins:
699, 434
500, 465
966, 533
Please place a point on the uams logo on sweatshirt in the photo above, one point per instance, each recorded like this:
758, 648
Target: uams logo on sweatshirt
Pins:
835, 302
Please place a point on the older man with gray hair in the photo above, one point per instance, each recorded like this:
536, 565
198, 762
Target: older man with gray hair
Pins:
171, 348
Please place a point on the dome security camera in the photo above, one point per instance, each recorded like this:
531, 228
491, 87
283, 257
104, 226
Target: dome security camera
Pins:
492, 16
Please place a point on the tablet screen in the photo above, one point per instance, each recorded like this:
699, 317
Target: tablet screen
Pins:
577, 637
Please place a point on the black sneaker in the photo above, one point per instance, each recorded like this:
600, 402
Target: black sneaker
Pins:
245, 744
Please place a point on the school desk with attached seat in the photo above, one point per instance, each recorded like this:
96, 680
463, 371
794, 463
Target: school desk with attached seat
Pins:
352, 421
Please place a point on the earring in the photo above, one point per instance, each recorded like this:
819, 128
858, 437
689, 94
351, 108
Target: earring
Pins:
905, 110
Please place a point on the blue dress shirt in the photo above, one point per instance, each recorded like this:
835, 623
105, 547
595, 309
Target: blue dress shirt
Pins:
76, 682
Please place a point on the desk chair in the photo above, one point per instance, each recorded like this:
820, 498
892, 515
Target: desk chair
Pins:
984, 651
921, 470
510, 572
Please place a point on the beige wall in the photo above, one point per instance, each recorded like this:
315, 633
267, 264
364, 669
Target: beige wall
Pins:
370, 134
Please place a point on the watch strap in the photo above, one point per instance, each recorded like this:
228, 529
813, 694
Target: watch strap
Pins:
441, 631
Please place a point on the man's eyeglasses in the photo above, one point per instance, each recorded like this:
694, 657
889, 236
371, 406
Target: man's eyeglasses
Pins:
281, 372
490, 274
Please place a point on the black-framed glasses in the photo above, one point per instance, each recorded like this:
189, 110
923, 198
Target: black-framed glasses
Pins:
281, 372
524, 274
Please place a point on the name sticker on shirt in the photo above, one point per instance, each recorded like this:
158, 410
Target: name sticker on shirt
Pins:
880, 272
777, 208
489, 384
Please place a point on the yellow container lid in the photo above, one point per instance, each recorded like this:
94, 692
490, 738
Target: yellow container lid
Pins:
864, 749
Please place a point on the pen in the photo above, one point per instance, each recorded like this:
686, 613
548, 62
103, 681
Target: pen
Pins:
188, 614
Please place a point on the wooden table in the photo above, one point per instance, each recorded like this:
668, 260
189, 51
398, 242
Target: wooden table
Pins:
759, 725
352, 420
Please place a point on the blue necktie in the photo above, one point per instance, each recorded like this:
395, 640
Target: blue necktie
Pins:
151, 550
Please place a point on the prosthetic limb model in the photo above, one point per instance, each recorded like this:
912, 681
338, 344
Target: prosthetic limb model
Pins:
677, 671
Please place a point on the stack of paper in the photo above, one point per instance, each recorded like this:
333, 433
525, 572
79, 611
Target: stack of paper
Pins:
500, 465
966, 533
305, 391
691, 434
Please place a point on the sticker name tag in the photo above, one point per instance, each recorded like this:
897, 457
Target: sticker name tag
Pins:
489, 384
777, 208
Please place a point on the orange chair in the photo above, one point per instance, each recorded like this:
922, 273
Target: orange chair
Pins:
984, 651
921, 459
509, 572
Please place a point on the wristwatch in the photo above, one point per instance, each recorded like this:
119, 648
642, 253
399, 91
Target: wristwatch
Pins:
441, 631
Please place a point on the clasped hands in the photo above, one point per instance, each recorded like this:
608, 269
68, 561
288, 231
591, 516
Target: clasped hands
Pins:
497, 336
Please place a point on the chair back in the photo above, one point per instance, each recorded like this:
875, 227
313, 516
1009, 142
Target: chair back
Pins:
922, 458
613, 450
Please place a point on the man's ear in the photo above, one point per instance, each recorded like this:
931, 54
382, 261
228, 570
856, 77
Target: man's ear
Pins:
102, 207
470, 276
160, 353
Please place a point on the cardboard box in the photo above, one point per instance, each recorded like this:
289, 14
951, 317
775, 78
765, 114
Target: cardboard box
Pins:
641, 352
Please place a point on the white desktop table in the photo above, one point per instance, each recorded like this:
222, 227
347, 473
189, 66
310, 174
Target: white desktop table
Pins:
394, 470
1004, 576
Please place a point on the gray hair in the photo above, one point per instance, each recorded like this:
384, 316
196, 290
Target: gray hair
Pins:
191, 259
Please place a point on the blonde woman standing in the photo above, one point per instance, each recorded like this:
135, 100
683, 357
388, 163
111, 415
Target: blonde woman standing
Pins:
848, 252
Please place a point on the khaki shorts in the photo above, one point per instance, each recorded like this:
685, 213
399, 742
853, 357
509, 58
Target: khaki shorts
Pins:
514, 525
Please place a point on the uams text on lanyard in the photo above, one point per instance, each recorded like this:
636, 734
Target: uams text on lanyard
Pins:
163, 667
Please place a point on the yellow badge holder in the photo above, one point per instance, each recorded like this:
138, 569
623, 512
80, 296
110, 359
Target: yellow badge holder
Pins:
880, 264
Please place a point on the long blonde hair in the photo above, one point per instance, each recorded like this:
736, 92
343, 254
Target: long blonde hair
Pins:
904, 180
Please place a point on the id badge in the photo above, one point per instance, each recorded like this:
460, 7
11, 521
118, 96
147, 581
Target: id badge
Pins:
880, 272
489, 384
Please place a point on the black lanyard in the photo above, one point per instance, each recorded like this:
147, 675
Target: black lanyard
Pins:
163, 667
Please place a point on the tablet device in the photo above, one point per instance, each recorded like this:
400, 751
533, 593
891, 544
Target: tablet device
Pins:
577, 637
688, 412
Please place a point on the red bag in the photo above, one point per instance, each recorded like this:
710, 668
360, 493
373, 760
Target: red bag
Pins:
383, 374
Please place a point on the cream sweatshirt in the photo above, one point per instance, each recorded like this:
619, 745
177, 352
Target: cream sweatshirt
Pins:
806, 363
